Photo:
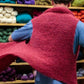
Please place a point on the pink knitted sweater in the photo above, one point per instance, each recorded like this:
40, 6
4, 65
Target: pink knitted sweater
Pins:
50, 50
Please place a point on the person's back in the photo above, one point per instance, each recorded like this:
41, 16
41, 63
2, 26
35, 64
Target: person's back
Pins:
54, 38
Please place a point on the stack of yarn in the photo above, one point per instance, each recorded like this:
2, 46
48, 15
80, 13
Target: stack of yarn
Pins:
79, 14
8, 15
8, 1
8, 75
5, 32
31, 2
80, 72
43, 2
77, 3
28, 76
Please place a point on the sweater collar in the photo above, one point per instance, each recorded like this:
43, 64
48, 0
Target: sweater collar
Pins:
59, 10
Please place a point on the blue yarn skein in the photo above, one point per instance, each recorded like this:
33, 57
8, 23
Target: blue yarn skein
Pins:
8, 1
23, 18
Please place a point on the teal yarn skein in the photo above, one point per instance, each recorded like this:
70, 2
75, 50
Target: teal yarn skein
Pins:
23, 18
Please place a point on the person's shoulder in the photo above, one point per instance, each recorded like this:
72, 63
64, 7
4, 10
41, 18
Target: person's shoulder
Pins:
28, 25
80, 26
80, 22
29, 22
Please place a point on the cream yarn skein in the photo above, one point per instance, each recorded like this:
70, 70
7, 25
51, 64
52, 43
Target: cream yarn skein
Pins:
7, 15
14, 13
8, 9
13, 19
3, 12
1, 9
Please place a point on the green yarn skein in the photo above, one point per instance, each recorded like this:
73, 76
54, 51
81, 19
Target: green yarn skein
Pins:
78, 3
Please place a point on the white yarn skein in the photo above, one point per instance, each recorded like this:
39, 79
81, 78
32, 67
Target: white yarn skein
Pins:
0, 19
1, 16
4, 19
1, 9
13, 19
14, 13
3, 12
9, 20
7, 15
8, 9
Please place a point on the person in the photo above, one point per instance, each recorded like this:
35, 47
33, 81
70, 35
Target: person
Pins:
55, 37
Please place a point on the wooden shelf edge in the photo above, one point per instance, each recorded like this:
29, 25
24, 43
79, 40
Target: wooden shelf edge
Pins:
25, 63
80, 61
22, 63
18, 82
15, 24
80, 78
34, 6
76, 8
25, 5
28, 81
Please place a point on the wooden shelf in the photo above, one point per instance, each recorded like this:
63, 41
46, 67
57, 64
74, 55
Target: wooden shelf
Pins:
33, 6
15, 24
25, 5
18, 82
81, 61
80, 78
76, 8
22, 63
28, 81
